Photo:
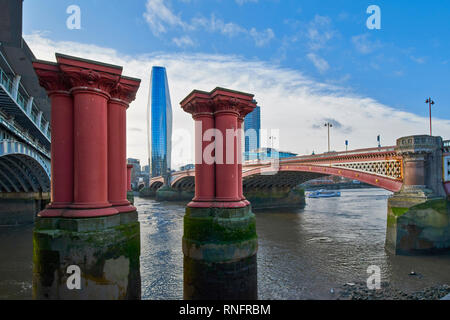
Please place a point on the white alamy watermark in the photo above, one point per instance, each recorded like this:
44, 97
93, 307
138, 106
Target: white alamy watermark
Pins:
74, 280
374, 279
73, 22
213, 146
374, 21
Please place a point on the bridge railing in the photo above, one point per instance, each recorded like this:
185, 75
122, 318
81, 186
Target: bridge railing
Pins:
22, 100
328, 155
22, 134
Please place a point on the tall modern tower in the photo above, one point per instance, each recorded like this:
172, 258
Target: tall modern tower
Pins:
159, 123
252, 127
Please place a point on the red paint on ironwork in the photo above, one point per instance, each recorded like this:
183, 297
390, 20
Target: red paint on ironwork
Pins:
129, 169
88, 136
217, 184
50, 77
121, 97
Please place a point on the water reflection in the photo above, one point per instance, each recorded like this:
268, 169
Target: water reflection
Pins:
302, 255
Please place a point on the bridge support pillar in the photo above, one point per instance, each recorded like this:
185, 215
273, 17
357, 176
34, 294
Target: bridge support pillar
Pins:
130, 194
122, 96
419, 214
85, 248
50, 77
220, 241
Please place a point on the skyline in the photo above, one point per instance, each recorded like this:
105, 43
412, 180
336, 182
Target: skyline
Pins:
360, 108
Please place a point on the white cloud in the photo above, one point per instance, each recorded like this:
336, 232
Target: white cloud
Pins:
161, 19
419, 60
183, 42
319, 32
158, 16
289, 100
241, 2
320, 64
262, 38
364, 45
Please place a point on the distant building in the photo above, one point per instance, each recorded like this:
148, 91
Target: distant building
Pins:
136, 172
187, 167
252, 127
146, 169
268, 154
159, 123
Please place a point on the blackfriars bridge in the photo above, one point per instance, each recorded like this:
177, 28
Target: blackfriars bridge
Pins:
389, 168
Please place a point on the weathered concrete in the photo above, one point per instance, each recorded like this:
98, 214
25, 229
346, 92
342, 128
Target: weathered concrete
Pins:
21, 208
219, 247
418, 219
106, 249
272, 198
166, 193
417, 225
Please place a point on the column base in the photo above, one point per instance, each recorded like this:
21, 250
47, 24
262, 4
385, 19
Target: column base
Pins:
106, 250
123, 209
79, 213
220, 247
58, 205
217, 204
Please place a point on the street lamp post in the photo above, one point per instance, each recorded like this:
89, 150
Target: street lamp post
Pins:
379, 141
329, 125
430, 103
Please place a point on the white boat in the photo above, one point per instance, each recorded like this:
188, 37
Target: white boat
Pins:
324, 194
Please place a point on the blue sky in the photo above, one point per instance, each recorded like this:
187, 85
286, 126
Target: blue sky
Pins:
401, 64
325, 42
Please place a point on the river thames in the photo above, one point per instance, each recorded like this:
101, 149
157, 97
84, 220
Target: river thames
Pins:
302, 254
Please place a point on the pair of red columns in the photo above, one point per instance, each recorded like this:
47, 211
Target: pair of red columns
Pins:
89, 100
218, 183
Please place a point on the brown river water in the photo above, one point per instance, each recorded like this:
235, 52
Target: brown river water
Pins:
302, 255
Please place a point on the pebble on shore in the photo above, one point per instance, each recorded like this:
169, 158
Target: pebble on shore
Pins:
359, 291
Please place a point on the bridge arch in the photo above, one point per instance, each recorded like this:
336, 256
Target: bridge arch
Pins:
22, 169
295, 174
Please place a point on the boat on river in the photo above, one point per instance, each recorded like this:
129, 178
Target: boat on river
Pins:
324, 194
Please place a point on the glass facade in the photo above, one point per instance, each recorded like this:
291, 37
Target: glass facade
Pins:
252, 127
159, 123
268, 154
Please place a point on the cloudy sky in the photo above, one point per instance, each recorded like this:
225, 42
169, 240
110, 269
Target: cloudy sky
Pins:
307, 62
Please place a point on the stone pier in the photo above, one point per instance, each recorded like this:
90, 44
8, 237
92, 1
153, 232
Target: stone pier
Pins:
219, 241
86, 242
418, 220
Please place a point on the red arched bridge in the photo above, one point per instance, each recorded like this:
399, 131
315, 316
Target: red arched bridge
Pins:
383, 167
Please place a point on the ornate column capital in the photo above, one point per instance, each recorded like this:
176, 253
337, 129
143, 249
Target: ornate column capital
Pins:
198, 103
51, 78
90, 75
230, 101
125, 91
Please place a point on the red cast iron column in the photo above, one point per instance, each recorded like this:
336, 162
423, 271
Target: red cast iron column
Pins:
129, 168
51, 78
200, 106
239, 154
121, 97
229, 106
91, 83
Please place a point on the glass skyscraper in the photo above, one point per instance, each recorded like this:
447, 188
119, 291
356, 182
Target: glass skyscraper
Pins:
159, 123
252, 127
